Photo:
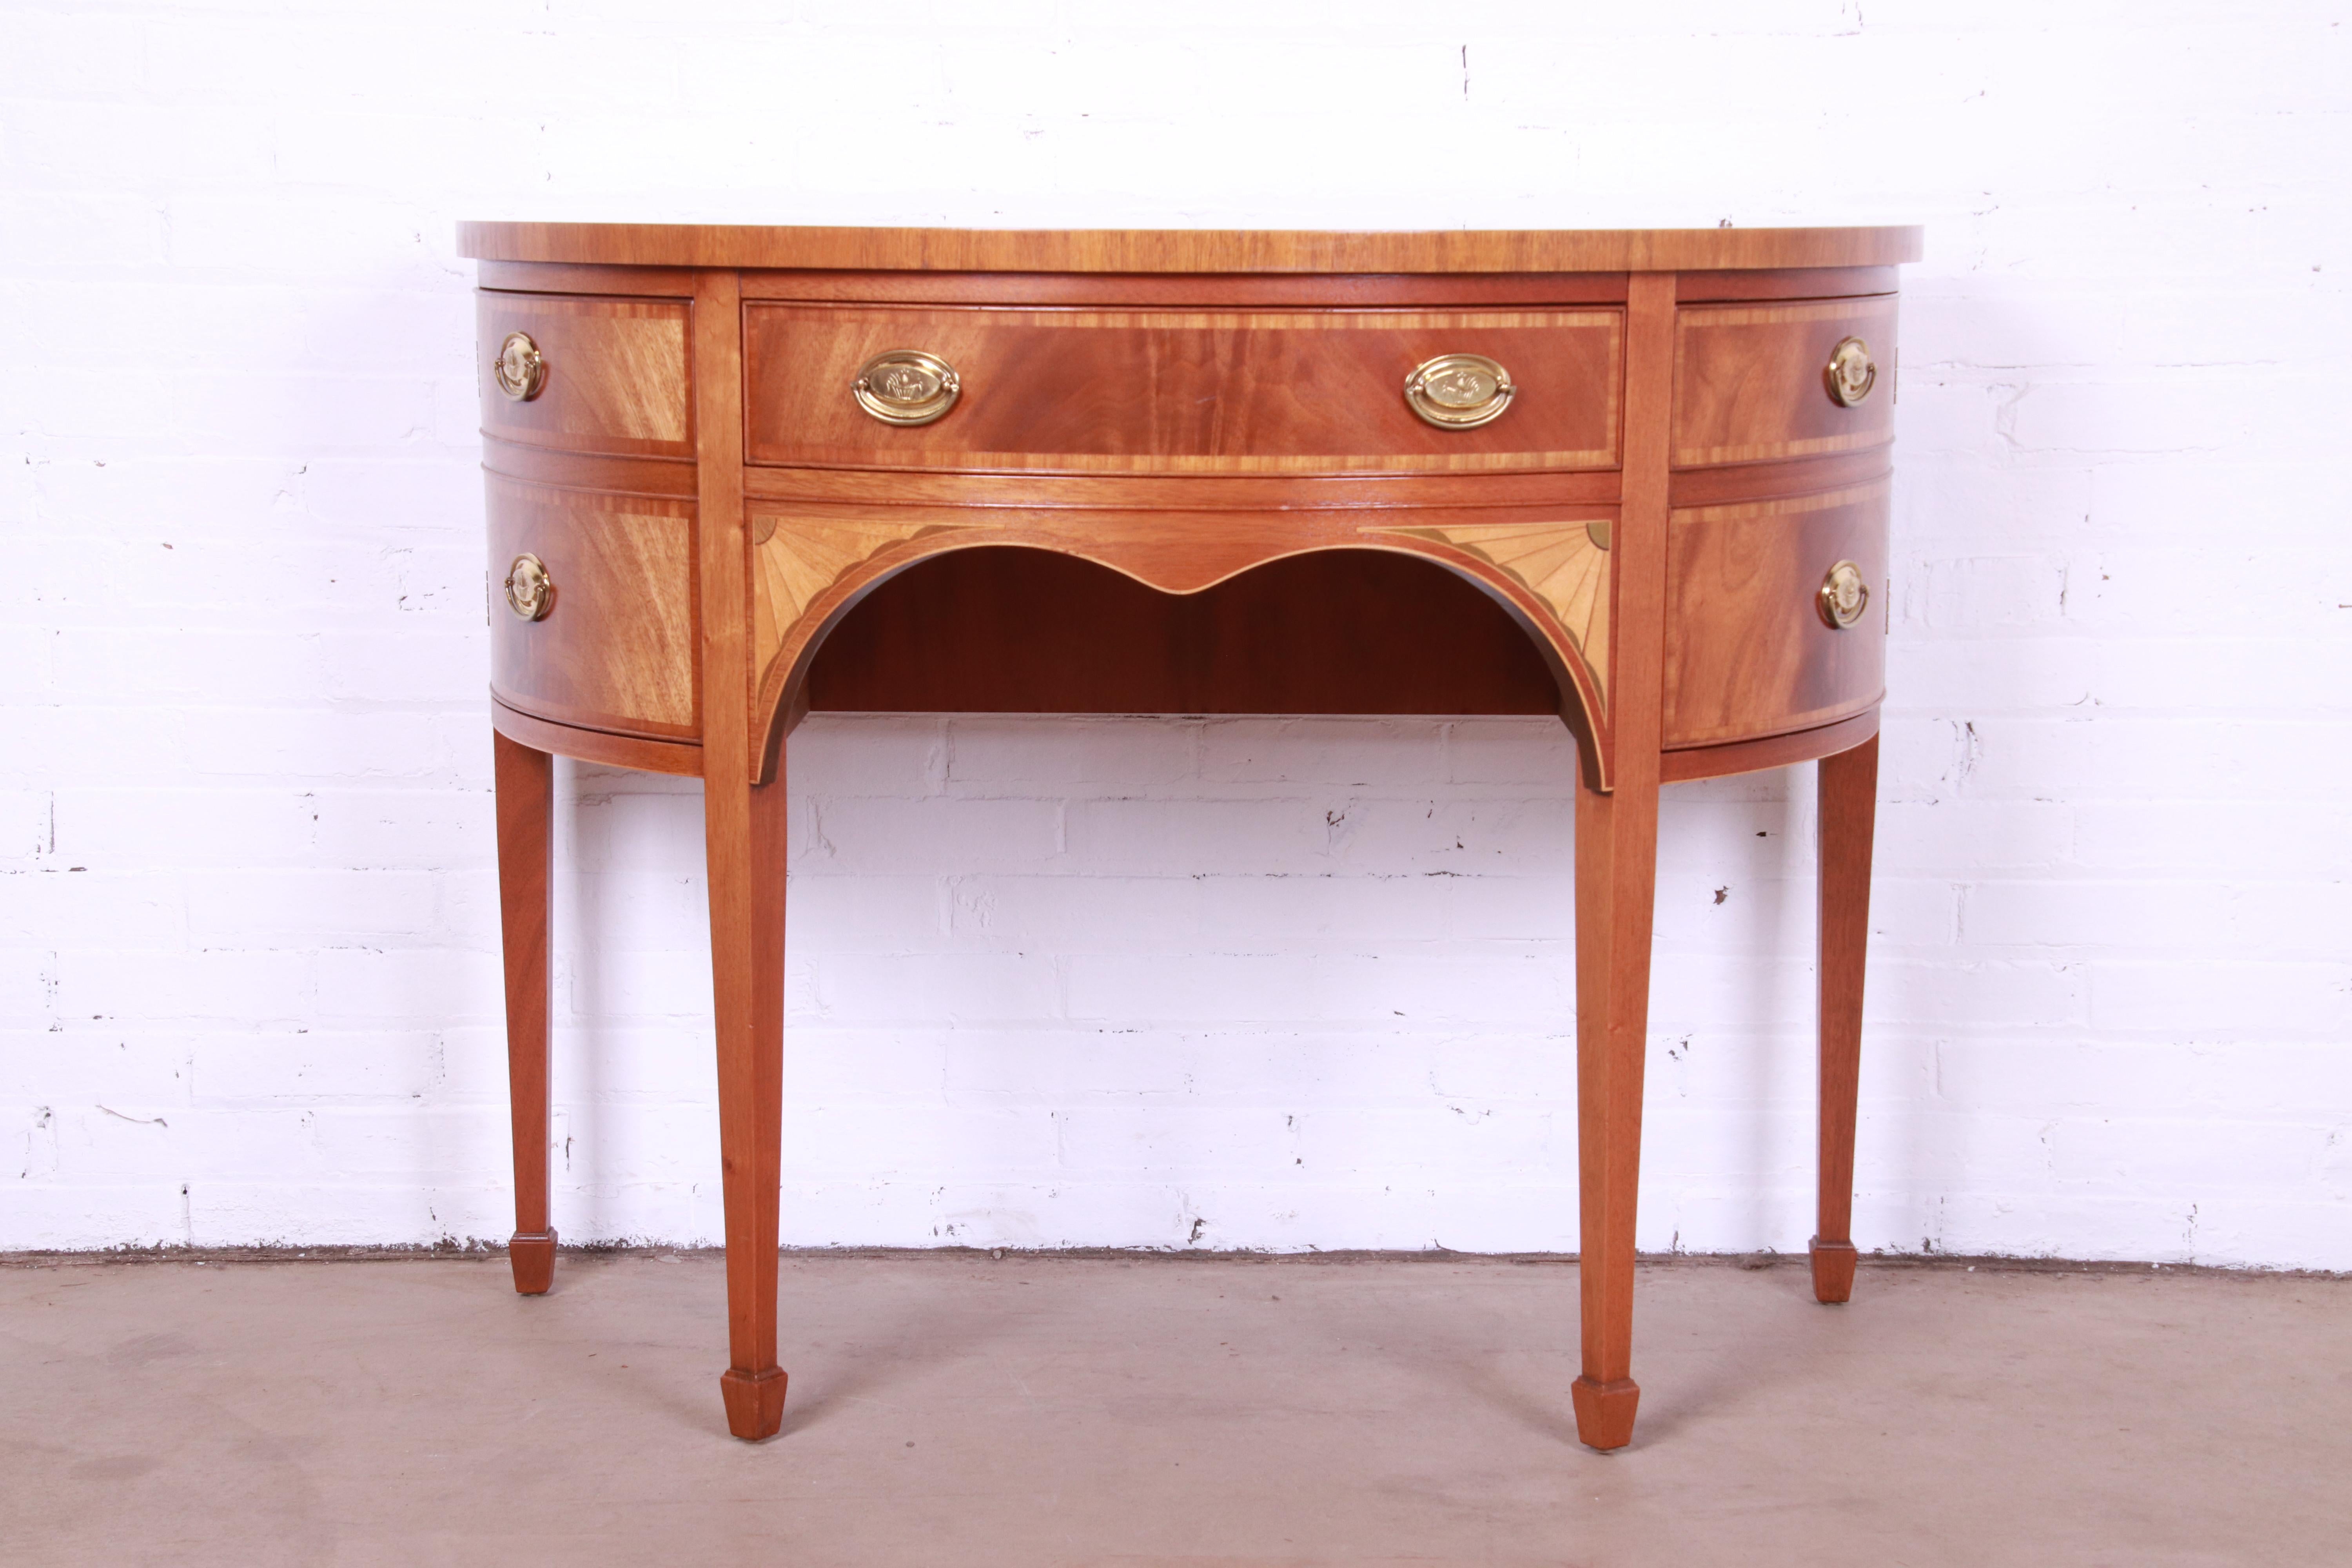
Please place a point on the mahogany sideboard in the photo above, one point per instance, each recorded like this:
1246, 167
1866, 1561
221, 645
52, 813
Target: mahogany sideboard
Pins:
1638, 479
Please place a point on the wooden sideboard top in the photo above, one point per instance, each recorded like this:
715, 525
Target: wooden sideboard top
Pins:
1187, 250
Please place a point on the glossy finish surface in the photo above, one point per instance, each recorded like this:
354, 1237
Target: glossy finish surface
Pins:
1334, 632
1195, 392
615, 649
1748, 652
610, 373
1739, 395
1185, 250
1639, 480
1847, 801
525, 806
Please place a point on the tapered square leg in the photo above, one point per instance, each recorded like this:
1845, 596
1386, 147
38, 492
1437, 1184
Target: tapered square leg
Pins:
1616, 872
525, 781
1848, 808
744, 831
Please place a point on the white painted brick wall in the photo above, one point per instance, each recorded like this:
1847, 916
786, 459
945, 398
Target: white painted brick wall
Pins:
1149, 981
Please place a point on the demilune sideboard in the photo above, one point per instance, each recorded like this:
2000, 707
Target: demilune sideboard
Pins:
1636, 479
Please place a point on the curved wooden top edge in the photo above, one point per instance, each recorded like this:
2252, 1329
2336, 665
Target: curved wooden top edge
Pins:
1187, 250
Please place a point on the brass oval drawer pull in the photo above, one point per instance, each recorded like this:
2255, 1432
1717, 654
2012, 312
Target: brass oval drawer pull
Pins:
1454, 392
1850, 373
1843, 596
907, 386
531, 592
521, 368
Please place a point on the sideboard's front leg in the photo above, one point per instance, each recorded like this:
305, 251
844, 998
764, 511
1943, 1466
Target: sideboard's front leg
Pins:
744, 841
1848, 811
1616, 875
525, 781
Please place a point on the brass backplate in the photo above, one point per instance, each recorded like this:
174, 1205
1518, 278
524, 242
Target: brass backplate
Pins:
1850, 373
1457, 392
907, 386
531, 592
1843, 596
521, 368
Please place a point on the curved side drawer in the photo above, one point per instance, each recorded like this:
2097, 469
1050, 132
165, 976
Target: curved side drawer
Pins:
616, 374
615, 651
1747, 653
1749, 385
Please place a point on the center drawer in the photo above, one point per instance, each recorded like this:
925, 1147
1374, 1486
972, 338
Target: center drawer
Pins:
1216, 391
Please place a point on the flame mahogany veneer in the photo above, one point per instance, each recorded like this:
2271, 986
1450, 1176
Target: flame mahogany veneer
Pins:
1180, 475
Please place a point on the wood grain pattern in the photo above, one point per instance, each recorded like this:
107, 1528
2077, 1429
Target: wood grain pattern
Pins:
1183, 479
1748, 655
1847, 806
1732, 484
1767, 752
1195, 290
1183, 390
1616, 878
1329, 291
1784, 284
795, 559
1174, 552
572, 278
1029, 631
618, 650
589, 471
1565, 564
524, 780
1257, 494
1185, 250
682, 758
744, 838
1748, 384
743, 855
616, 373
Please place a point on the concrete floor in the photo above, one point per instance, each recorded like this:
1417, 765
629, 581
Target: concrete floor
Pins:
953, 1410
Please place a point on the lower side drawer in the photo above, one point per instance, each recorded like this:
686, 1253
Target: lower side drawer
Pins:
615, 649
1749, 651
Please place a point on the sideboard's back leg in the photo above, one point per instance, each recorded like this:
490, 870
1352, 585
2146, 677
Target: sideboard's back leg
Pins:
525, 781
1848, 811
744, 841
1616, 874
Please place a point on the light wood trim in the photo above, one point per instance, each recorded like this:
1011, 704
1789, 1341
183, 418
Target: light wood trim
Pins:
568, 278
682, 758
813, 563
803, 357
617, 652
1186, 250
1736, 374
1194, 291
1643, 517
551, 467
1192, 493
619, 379
1785, 283
1736, 484
1771, 751
1748, 655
